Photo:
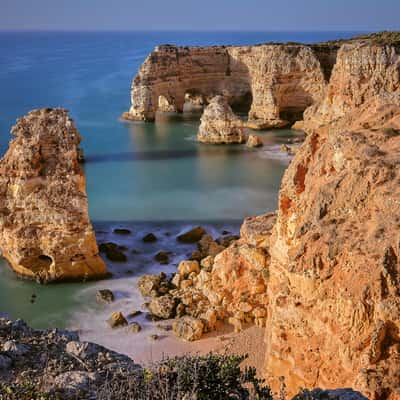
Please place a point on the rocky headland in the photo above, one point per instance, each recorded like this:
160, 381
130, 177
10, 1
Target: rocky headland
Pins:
46, 232
322, 274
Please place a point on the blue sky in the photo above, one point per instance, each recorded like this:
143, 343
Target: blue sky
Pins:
266, 15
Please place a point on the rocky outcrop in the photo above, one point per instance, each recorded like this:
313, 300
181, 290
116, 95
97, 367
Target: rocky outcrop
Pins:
276, 82
219, 125
364, 72
333, 288
45, 230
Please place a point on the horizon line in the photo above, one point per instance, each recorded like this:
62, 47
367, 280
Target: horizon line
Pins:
194, 30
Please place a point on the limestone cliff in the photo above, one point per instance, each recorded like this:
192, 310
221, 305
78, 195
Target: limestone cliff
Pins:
45, 230
280, 81
334, 305
363, 72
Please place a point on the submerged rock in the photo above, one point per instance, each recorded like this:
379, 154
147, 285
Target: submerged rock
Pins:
113, 251
149, 238
192, 235
219, 125
122, 231
162, 257
45, 230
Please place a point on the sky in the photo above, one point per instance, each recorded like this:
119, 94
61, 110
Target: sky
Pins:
233, 15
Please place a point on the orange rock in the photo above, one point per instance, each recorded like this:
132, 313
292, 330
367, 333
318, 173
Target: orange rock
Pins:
45, 230
334, 305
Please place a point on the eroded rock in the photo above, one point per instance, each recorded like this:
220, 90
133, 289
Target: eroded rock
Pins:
219, 125
188, 328
46, 233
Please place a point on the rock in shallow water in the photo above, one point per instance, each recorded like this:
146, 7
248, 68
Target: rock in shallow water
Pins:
45, 230
219, 125
104, 296
113, 251
117, 320
254, 141
192, 235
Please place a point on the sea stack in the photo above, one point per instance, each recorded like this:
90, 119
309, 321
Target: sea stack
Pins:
46, 232
219, 124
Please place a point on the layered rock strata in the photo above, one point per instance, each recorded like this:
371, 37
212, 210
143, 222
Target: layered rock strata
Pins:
219, 125
45, 230
364, 72
275, 81
333, 289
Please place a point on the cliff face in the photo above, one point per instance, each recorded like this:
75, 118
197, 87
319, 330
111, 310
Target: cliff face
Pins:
362, 73
334, 305
45, 230
280, 80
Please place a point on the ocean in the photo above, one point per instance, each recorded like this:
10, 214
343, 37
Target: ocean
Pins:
148, 177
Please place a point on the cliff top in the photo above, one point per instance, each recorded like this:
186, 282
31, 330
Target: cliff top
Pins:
391, 38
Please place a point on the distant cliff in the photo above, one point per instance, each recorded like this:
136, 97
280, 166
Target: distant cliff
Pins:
272, 82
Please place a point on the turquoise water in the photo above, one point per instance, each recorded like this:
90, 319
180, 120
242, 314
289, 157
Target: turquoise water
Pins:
150, 177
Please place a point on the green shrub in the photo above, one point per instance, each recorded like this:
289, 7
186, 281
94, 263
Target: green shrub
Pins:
210, 377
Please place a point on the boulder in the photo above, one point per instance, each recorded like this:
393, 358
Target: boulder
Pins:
104, 296
15, 349
149, 238
134, 327
113, 251
254, 141
149, 283
188, 328
162, 257
186, 267
192, 235
219, 125
163, 306
117, 320
82, 350
122, 231
45, 230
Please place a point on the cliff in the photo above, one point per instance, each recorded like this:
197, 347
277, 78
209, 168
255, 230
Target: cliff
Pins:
45, 230
364, 72
276, 81
334, 306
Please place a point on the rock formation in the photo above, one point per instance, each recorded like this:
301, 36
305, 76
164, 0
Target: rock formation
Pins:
219, 124
363, 72
333, 291
45, 230
324, 277
276, 81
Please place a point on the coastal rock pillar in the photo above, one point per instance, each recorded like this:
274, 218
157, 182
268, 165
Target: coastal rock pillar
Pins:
45, 230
